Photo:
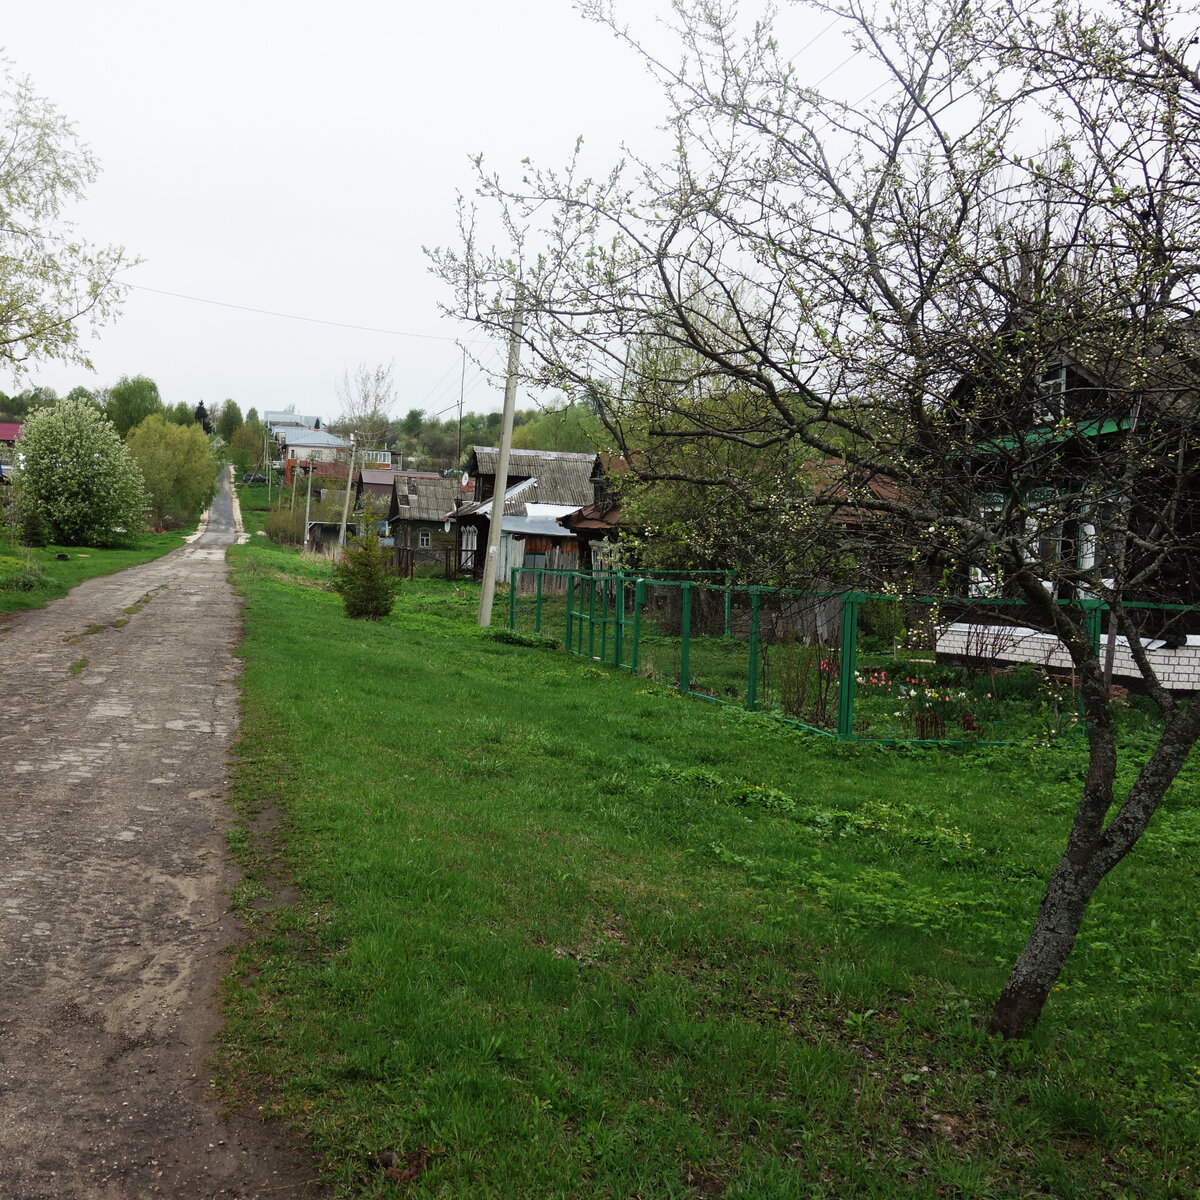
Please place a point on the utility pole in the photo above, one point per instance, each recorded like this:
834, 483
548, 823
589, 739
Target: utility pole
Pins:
267, 468
346, 505
308, 500
492, 561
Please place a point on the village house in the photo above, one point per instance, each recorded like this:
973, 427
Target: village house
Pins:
541, 487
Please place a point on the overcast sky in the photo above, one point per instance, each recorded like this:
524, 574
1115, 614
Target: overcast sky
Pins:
295, 158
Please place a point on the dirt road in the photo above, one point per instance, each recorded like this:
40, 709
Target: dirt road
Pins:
118, 704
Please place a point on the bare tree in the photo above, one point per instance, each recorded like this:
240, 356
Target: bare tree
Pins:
969, 293
367, 399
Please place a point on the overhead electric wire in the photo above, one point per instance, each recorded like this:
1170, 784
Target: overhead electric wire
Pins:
267, 312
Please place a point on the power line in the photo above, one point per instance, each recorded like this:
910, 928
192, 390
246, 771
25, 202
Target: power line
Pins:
267, 312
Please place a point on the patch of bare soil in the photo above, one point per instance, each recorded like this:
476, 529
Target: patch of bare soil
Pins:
114, 885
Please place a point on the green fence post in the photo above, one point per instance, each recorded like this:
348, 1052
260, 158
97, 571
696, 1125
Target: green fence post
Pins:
752, 673
639, 598
570, 612
537, 608
512, 598
729, 604
685, 643
845, 720
1092, 620
591, 641
619, 615
603, 620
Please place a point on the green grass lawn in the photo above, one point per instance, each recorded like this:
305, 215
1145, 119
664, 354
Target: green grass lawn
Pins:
22, 589
558, 932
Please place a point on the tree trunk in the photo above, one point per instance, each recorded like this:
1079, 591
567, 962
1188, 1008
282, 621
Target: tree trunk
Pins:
1039, 964
1094, 847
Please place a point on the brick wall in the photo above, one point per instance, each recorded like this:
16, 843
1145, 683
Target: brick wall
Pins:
1177, 669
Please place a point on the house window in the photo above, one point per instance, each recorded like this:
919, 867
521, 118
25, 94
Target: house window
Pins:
424, 539
1052, 391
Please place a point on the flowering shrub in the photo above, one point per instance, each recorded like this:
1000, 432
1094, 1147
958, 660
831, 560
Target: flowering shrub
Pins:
80, 477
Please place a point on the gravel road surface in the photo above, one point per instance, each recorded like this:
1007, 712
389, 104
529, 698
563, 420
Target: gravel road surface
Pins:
118, 704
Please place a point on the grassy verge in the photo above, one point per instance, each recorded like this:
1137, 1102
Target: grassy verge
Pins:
21, 588
558, 932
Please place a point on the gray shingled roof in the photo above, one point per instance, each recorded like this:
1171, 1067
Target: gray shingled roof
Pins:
562, 477
427, 499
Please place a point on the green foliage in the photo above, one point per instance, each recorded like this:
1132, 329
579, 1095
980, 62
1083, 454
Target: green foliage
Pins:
202, 418
881, 624
511, 637
85, 484
572, 428
177, 465
285, 526
130, 401
31, 529
360, 577
85, 395
180, 414
246, 447
229, 418
756, 529
20, 573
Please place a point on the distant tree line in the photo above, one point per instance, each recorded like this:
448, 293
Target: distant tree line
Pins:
434, 443
98, 464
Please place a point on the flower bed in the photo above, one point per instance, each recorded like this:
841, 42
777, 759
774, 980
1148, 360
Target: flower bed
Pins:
897, 698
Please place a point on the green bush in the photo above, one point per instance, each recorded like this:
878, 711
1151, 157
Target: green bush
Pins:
19, 574
31, 529
880, 624
362, 581
286, 527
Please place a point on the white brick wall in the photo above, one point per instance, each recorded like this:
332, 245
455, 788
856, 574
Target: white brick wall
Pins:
1177, 669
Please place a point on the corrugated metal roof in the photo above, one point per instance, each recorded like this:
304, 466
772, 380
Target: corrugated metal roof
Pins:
290, 418
537, 526
377, 476
592, 519
294, 436
514, 501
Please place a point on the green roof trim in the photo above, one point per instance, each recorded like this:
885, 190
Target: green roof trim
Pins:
1051, 434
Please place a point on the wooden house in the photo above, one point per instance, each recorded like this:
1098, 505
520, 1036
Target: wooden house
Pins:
541, 487
597, 525
421, 511
1089, 465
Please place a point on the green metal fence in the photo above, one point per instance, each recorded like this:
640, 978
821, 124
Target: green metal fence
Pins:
849, 665
709, 637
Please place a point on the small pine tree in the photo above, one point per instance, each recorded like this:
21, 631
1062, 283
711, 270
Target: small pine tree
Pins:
362, 581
